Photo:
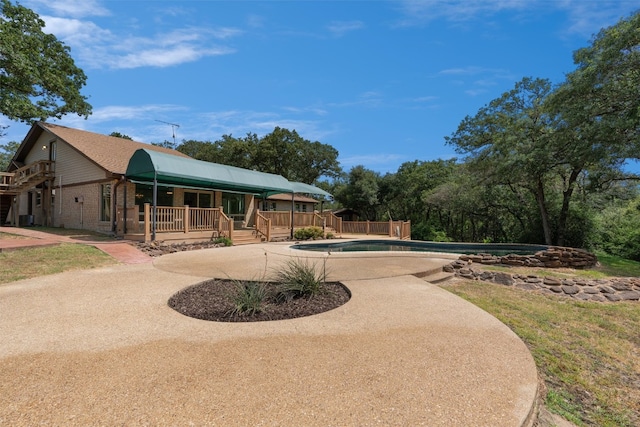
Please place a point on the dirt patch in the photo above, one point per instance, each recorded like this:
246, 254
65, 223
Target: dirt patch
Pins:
212, 300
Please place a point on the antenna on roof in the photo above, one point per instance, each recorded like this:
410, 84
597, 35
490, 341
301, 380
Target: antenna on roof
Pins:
173, 130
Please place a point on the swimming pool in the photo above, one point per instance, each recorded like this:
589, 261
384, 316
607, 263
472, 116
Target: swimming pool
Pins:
498, 249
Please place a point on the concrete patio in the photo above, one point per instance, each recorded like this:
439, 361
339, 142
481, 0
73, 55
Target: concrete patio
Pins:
101, 347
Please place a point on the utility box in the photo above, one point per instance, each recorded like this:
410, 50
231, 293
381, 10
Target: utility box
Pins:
25, 221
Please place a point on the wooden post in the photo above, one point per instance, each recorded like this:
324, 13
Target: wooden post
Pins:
390, 228
367, 227
185, 219
147, 222
268, 229
231, 230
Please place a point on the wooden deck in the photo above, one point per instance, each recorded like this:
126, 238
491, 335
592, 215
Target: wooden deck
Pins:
183, 224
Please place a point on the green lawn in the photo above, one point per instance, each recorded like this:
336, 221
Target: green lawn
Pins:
34, 262
587, 353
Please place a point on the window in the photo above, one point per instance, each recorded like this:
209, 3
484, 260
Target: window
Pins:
144, 194
38, 198
304, 207
191, 199
233, 204
105, 202
204, 200
197, 200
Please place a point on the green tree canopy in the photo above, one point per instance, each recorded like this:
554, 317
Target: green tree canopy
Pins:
120, 135
511, 142
281, 152
360, 192
7, 151
38, 77
600, 100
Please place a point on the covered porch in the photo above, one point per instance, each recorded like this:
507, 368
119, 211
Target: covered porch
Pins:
186, 222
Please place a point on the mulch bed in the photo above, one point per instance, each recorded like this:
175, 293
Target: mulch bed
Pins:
211, 300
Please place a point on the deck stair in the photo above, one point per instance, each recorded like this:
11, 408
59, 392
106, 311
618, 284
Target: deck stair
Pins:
245, 237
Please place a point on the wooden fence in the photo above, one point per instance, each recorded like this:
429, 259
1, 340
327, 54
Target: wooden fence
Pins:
399, 229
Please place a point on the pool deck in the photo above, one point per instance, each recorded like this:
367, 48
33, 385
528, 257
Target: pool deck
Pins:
101, 347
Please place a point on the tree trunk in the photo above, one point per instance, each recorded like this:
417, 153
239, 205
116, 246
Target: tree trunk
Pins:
544, 214
564, 212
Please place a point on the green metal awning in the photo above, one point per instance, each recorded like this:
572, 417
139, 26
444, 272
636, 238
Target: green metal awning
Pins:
152, 166
301, 187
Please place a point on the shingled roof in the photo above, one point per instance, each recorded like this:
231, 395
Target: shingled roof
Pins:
108, 152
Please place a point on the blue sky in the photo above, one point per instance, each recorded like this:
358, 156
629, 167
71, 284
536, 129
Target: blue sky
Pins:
382, 81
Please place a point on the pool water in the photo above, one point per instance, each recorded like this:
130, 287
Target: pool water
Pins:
498, 249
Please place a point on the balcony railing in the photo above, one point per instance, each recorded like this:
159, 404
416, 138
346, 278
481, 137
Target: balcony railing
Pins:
26, 177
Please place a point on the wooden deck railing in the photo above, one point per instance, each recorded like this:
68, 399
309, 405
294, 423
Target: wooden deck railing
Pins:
263, 226
26, 176
41, 169
399, 229
183, 219
6, 179
282, 219
332, 221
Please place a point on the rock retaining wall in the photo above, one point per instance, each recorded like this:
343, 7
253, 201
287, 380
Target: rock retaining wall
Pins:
553, 257
614, 289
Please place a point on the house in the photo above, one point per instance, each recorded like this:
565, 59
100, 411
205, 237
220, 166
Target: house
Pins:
347, 214
64, 177
73, 178
282, 202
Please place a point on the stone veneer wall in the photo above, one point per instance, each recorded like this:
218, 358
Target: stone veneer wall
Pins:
601, 290
553, 257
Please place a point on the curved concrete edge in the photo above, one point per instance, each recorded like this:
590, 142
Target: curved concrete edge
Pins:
411, 350
259, 262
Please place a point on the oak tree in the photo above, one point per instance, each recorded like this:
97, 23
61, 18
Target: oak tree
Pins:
38, 76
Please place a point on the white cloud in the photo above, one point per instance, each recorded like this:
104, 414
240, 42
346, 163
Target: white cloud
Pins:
587, 18
475, 92
96, 47
369, 99
73, 8
303, 110
166, 57
99, 48
132, 112
255, 21
483, 78
421, 11
218, 123
584, 18
340, 28
473, 70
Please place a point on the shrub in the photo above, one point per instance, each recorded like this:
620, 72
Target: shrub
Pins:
299, 279
249, 298
224, 241
308, 233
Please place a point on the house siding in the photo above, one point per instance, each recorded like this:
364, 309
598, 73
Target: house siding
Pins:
71, 167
